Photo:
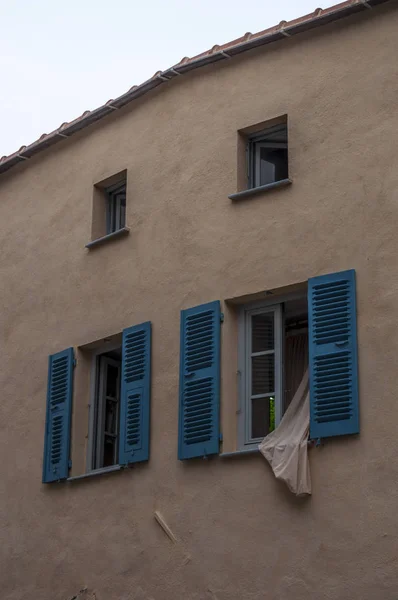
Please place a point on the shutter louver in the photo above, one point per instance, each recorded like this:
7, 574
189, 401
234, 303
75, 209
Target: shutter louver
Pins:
135, 394
199, 381
58, 417
333, 355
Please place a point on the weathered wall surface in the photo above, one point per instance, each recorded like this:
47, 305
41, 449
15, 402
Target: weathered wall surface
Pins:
240, 534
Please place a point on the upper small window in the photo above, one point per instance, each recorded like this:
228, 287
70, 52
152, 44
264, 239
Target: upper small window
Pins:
109, 210
116, 207
268, 157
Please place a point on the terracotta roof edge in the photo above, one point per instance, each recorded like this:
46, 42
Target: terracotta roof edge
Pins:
215, 54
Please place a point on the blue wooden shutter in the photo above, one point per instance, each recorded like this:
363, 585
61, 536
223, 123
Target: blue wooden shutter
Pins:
58, 416
199, 381
135, 394
333, 355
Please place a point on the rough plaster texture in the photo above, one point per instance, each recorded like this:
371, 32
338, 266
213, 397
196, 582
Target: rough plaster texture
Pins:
240, 535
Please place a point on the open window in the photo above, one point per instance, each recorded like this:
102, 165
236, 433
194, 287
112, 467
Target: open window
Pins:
268, 156
115, 207
106, 409
109, 210
120, 398
273, 356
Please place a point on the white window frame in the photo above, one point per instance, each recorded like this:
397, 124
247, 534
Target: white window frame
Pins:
95, 383
276, 304
244, 369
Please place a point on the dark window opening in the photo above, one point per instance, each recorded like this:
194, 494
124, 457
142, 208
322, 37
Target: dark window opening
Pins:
107, 409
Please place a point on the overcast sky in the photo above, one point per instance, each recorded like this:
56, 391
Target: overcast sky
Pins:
60, 58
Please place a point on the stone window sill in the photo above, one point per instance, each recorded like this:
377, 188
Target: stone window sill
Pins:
243, 452
260, 189
108, 238
96, 473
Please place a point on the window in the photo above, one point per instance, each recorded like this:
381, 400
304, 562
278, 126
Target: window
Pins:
116, 207
109, 210
273, 346
118, 371
120, 397
268, 156
106, 410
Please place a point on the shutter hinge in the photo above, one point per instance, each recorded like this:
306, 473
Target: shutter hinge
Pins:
221, 317
220, 436
74, 363
69, 464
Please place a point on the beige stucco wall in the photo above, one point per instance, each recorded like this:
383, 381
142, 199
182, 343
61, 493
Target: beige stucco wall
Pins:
240, 535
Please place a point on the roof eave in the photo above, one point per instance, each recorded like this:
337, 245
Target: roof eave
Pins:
225, 52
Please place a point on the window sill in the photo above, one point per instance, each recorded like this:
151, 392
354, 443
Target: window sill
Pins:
260, 189
243, 452
108, 238
95, 473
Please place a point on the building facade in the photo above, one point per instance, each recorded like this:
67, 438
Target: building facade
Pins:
162, 256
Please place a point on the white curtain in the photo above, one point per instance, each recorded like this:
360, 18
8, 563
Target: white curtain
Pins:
286, 447
296, 363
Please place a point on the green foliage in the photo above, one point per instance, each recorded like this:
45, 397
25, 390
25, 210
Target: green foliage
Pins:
271, 414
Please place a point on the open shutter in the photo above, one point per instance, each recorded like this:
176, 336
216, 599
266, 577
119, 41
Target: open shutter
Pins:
333, 355
135, 394
58, 416
199, 381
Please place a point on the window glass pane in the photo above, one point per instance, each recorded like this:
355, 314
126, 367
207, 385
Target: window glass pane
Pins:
262, 332
110, 417
123, 212
117, 208
271, 414
273, 165
109, 451
120, 200
111, 381
263, 374
263, 417
107, 414
281, 164
112, 208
